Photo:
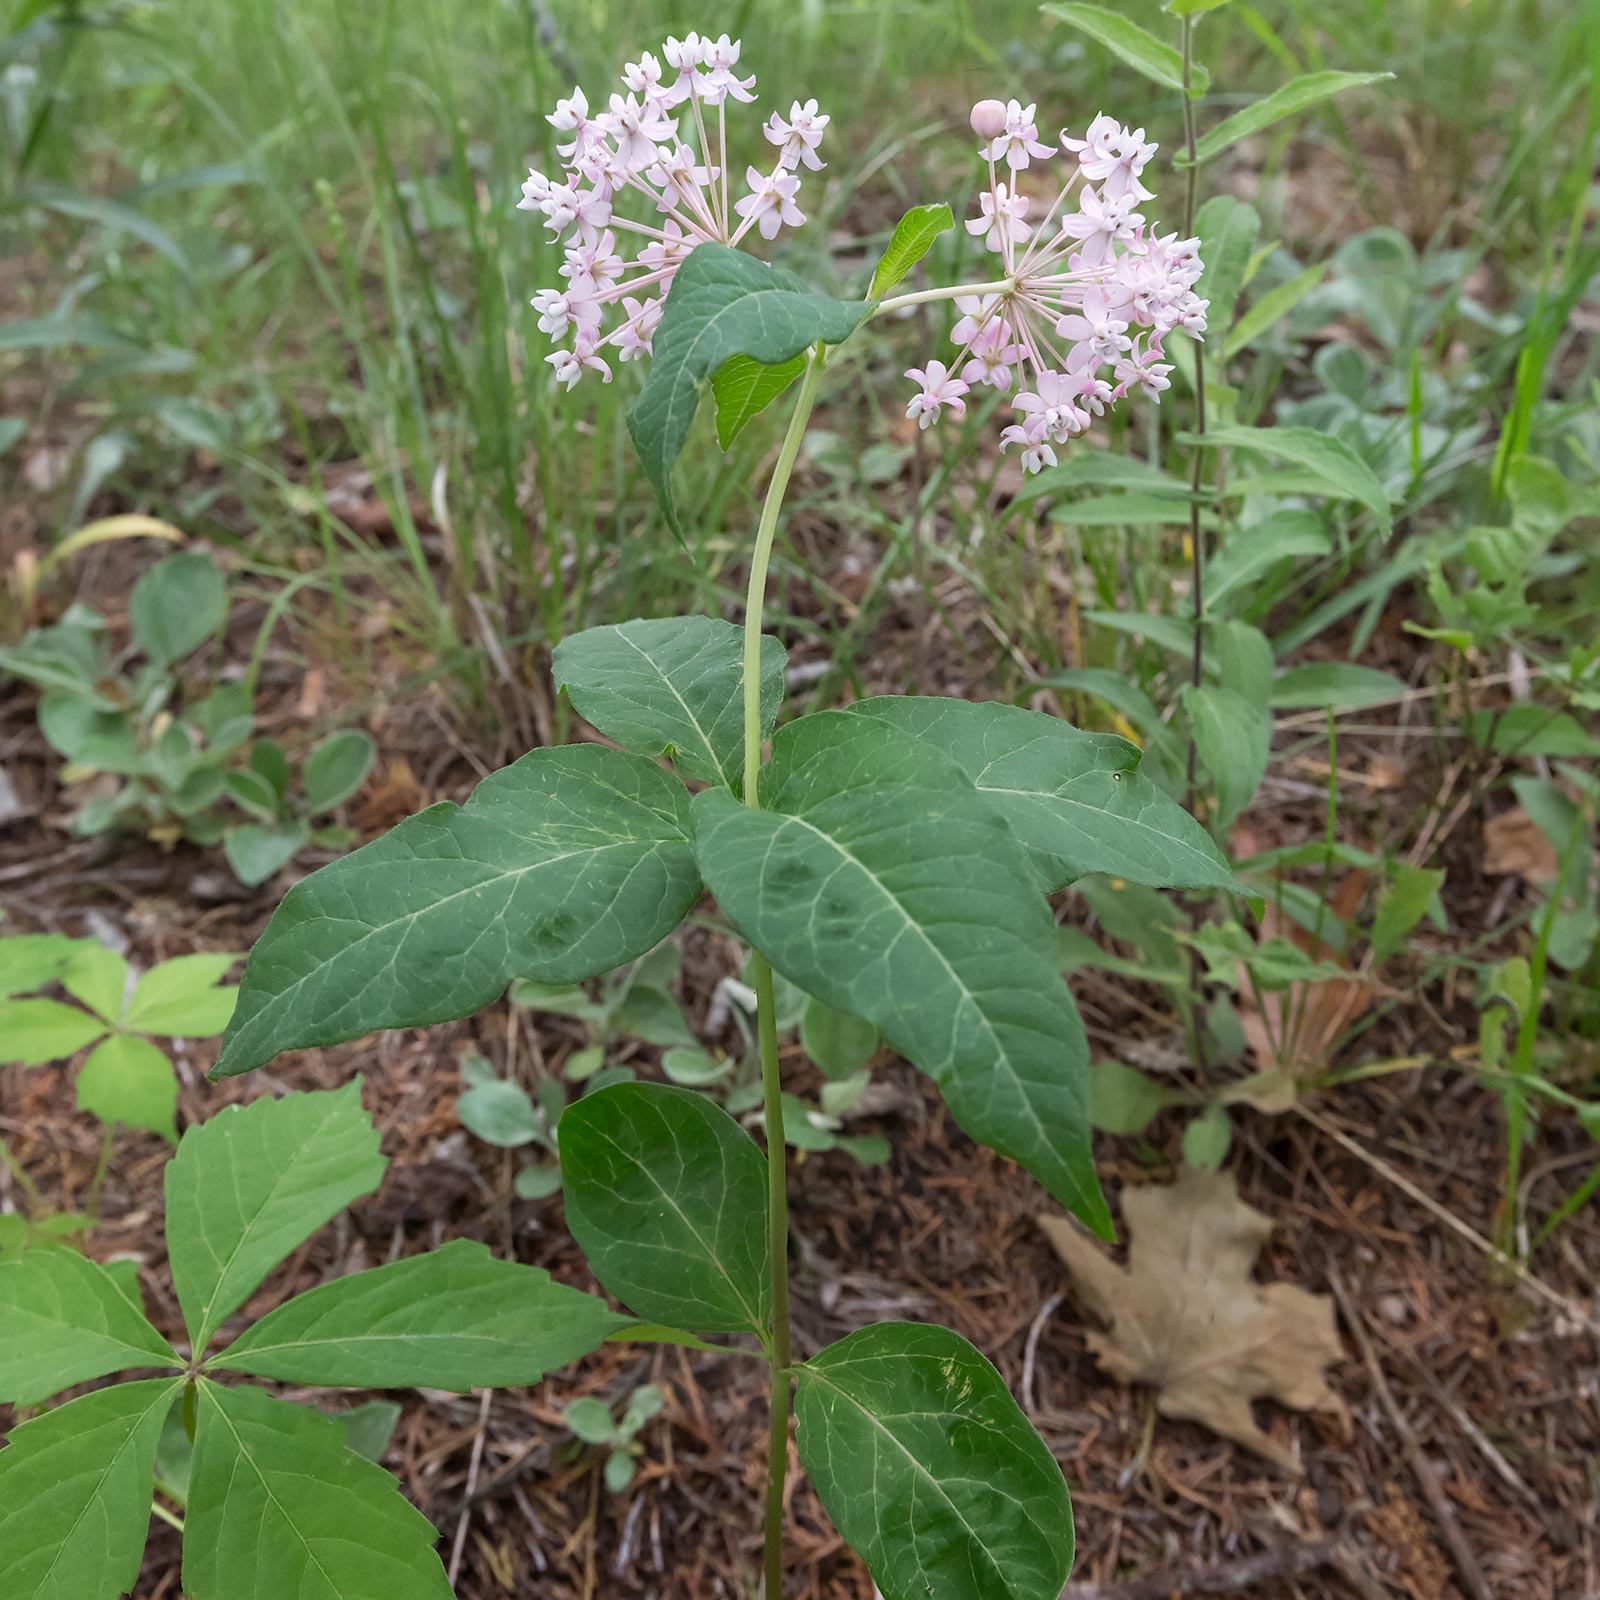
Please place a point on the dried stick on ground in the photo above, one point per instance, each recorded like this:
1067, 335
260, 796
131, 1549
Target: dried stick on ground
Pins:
1238, 1576
1466, 1563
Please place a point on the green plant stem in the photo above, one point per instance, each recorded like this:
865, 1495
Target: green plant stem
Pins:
101, 1166
1196, 534
778, 1355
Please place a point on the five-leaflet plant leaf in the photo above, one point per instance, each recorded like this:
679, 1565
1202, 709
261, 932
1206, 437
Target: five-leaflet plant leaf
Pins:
561, 866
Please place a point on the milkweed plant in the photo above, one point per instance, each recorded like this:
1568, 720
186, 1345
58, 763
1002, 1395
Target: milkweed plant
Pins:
892, 859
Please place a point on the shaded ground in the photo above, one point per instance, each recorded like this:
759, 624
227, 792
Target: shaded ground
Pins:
1482, 1430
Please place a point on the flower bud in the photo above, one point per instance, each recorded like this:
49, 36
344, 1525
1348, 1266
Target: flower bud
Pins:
988, 119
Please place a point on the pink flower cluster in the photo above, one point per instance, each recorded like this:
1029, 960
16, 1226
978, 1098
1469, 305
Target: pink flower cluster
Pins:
655, 140
1078, 319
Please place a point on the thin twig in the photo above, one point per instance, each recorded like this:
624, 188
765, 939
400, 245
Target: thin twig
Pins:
1232, 1577
1466, 1563
459, 1548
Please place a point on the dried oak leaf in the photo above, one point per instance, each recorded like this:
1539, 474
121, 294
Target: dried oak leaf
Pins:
1514, 842
1185, 1317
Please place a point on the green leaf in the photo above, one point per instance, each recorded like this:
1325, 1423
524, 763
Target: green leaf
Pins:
1325, 456
279, 1505
930, 1470
1250, 553
565, 864
99, 978
33, 1032
177, 999
723, 303
1076, 800
838, 1043
913, 238
1294, 96
1122, 1100
1206, 1140
1171, 633
745, 388
1227, 229
666, 1196
1341, 685
1128, 510
176, 605
31, 960
104, 211
256, 850
591, 1420
497, 1111
369, 1427
65, 1320
1159, 62
455, 1318
336, 768
130, 1081
672, 686
880, 881
75, 1494
1401, 907
1234, 741
254, 1182
1271, 308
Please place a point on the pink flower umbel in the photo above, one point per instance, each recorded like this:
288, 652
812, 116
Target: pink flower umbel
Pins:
662, 146
1085, 298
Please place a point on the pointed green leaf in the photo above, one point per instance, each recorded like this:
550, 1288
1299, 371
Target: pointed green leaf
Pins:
253, 1183
1227, 229
884, 884
279, 1505
177, 604
1076, 800
723, 303
178, 999
130, 1081
672, 686
1328, 458
1271, 308
930, 1470
1234, 740
1126, 40
455, 1318
745, 388
34, 1031
1294, 96
99, 978
1343, 685
1401, 906
65, 1320
31, 960
75, 1494
667, 1197
839, 1044
913, 238
565, 864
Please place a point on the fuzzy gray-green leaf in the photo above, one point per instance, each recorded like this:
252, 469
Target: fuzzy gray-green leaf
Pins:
563, 865
930, 1470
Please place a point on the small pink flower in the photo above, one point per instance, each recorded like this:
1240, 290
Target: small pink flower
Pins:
591, 268
717, 81
770, 204
633, 338
570, 365
637, 131
1002, 220
798, 138
939, 387
1099, 224
560, 309
680, 178
1018, 141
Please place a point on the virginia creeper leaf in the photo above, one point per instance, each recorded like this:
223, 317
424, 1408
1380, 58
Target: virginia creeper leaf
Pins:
178, 998
930, 1470
252, 1183
723, 303
455, 1318
745, 388
913, 238
1077, 800
75, 1494
667, 1197
565, 864
884, 884
130, 1081
29, 960
280, 1505
672, 686
34, 1031
65, 1320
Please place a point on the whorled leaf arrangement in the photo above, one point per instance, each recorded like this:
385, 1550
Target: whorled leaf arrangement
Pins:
892, 860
